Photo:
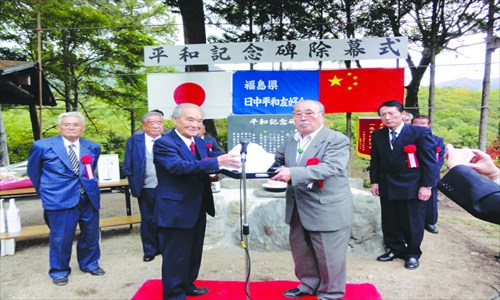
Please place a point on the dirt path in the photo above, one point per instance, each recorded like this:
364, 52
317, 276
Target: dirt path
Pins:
458, 263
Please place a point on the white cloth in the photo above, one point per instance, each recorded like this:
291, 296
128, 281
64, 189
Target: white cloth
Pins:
258, 160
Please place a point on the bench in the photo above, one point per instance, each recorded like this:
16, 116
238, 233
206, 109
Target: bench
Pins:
43, 230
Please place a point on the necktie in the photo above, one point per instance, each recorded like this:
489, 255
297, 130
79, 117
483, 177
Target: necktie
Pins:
193, 150
73, 158
150, 145
393, 137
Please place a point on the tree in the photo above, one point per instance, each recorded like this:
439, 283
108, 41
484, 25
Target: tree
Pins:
429, 24
492, 43
89, 46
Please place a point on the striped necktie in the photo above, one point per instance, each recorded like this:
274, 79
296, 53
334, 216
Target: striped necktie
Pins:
393, 137
73, 158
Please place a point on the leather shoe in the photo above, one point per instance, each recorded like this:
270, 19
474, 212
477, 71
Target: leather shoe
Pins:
98, 272
198, 291
295, 293
60, 281
431, 228
147, 258
411, 263
388, 256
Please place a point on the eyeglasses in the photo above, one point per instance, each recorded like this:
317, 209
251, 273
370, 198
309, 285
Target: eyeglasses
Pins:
307, 114
152, 123
68, 125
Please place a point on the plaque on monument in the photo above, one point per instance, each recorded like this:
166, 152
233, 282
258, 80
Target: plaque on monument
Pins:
268, 131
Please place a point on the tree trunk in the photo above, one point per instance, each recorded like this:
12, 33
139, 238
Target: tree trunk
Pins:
132, 122
485, 97
432, 54
417, 73
35, 127
193, 20
4, 153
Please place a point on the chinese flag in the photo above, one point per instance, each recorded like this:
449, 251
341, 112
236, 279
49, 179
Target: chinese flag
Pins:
359, 90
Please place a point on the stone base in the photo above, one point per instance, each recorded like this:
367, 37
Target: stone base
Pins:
265, 212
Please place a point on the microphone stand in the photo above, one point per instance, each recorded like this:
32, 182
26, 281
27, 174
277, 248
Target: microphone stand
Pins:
246, 227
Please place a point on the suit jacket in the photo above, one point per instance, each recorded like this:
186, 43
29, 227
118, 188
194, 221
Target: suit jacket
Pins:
215, 147
473, 192
321, 209
440, 157
134, 163
389, 168
51, 172
183, 181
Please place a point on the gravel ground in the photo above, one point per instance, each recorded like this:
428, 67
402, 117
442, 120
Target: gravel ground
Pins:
458, 263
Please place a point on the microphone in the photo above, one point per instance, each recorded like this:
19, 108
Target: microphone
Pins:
244, 145
243, 152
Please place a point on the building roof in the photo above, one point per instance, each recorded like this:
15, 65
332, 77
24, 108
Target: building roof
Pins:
11, 66
19, 84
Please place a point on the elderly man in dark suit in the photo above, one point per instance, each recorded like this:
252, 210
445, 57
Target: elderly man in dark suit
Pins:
138, 166
402, 173
183, 198
62, 171
319, 206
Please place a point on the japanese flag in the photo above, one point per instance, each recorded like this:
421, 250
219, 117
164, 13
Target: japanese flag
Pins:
212, 91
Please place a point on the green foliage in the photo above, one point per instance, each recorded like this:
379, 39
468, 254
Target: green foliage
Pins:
89, 48
457, 121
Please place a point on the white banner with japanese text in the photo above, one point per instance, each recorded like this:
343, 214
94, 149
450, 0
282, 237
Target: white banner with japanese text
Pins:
277, 51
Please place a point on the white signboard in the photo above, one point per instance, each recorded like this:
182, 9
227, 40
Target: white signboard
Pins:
277, 51
108, 168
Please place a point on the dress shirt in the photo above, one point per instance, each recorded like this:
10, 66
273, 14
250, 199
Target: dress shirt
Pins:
149, 142
185, 139
398, 131
76, 148
304, 141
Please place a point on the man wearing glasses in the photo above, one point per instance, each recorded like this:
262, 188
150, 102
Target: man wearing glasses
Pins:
138, 166
61, 169
319, 206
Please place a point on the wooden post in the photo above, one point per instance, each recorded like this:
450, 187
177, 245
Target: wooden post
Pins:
40, 91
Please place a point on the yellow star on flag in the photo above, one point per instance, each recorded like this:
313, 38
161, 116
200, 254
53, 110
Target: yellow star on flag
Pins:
335, 81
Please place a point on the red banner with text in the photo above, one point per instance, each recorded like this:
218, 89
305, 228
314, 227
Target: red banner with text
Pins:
366, 125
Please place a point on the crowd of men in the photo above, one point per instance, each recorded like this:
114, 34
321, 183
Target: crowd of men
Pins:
168, 173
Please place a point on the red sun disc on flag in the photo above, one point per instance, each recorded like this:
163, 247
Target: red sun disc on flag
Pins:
189, 92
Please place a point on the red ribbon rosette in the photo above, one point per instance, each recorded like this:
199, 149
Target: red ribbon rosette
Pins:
314, 161
87, 160
209, 147
412, 158
438, 150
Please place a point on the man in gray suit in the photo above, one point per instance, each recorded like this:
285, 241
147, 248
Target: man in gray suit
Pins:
319, 205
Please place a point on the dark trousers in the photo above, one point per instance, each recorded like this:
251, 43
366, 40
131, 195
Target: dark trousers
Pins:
149, 231
62, 224
431, 216
403, 226
181, 250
